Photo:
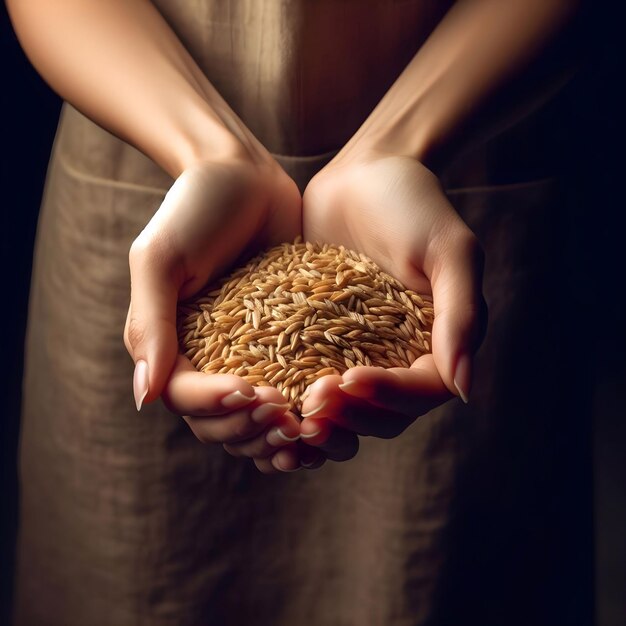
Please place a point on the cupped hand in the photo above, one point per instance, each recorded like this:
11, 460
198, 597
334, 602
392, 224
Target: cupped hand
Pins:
216, 215
394, 210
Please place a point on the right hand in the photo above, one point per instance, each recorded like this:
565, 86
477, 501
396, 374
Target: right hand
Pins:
216, 214
394, 209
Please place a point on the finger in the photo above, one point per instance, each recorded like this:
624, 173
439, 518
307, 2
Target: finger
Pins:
287, 459
238, 427
360, 417
311, 458
190, 392
268, 440
286, 462
410, 391
264, 465
242, 424
150, 332
337, 443
339, 410
234, 427
460, 309
322, 425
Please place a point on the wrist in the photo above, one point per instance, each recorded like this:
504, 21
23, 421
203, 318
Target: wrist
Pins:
211, 141
217, 146
210, 133
408, 131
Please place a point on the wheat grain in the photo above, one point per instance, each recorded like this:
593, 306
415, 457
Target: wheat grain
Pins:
301, 311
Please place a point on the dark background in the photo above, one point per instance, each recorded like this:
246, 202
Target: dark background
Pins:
591, 148
29, 113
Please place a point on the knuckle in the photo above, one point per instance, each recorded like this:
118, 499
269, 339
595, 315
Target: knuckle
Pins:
468, 243
456, 241
135, 332
138, 250
155, 253
239, 431
147, 248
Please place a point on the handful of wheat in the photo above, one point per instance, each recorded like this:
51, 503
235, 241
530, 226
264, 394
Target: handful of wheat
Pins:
301, 311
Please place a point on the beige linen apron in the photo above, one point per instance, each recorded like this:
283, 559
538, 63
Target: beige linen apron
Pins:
126, 519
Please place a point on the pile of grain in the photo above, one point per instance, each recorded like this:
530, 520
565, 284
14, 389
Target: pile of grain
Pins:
301, 311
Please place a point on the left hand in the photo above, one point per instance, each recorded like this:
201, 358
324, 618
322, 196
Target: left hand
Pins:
216, 212
393, 209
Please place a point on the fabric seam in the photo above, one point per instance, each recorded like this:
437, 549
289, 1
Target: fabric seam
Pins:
109, 182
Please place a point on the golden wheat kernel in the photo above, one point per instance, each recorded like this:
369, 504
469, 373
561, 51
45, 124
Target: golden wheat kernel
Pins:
255, 378
267, 341
276, 376
300, 311
294, 342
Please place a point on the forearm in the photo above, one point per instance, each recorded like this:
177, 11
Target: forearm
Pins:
119, 63
479, 48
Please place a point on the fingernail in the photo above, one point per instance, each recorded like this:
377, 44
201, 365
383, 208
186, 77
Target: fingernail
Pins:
262, 412
311, 435
310, 457
236, 399
291, 470
140, 382
351, 387
462, 377
316, 410
278, 465
276, 437
350, 383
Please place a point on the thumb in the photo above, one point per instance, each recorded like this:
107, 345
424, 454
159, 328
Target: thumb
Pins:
460, 310
150, 333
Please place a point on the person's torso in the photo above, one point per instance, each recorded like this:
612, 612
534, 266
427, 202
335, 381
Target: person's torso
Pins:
303, 74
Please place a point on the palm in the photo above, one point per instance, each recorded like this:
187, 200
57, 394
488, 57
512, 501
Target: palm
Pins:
393, 209
383, 209
215, 215
220, 214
